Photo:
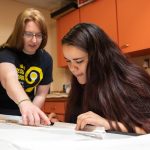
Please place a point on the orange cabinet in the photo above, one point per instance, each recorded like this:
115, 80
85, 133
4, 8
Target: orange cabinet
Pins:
102, 13
55, 105
64, 24
133, 25
125, 21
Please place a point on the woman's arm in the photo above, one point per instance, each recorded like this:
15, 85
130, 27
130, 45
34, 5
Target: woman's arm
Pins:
41, 93
9, 81
96, 120
124, 129
39, 100
31, 114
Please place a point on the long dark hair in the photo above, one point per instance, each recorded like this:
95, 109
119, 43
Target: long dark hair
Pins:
116, 89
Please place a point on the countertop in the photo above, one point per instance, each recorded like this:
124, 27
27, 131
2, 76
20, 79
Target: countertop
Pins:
57, 95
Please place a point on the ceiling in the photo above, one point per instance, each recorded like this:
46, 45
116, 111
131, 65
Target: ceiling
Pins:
50, 5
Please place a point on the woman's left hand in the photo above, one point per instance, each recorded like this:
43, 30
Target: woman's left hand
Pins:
53, 117
91, 118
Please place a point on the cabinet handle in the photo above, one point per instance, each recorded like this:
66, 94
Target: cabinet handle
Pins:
124, 46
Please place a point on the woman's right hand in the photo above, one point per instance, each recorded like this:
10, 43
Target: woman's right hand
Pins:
32, 115
91, 118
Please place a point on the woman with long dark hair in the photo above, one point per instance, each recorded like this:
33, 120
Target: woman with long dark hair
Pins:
106, 89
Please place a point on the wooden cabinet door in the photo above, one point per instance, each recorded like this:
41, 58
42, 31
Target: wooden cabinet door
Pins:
64, 24
102, 13
55, 107
133, 24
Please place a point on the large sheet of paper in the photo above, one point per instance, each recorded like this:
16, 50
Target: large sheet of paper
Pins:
19, 137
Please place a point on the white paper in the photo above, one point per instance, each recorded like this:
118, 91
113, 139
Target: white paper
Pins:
19, 137
91, 131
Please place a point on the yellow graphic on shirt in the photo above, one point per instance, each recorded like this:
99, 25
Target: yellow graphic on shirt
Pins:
32, 75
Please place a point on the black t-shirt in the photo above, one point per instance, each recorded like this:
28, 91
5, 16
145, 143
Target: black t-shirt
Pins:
33, 70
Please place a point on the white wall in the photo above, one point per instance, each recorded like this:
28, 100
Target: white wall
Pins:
139, 60
9, 10
61, 75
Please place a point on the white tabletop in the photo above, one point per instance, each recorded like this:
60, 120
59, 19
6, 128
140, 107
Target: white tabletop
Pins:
45, 138
14, 136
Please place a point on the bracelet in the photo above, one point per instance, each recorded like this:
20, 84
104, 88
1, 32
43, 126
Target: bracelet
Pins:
23, 101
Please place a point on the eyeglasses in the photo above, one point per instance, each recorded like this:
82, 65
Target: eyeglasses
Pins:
30, 35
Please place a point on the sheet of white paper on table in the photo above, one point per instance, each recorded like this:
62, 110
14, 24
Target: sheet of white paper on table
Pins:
92, 131
41, 138
21, 137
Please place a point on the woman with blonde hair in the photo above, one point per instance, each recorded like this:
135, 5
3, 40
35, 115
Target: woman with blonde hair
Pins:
24, 67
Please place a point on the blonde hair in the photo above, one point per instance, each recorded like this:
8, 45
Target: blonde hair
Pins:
15, 40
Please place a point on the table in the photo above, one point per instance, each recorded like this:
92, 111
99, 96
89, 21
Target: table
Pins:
18, 137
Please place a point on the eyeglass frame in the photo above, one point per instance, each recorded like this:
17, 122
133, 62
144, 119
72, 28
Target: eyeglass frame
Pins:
30, 35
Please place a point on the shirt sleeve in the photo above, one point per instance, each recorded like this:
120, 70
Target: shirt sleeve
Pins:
7, 56
48, 69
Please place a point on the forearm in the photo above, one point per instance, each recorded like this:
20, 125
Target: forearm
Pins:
139, 130
124, 129
41, 93
9, 81
121, 126
39, 101
14, 90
